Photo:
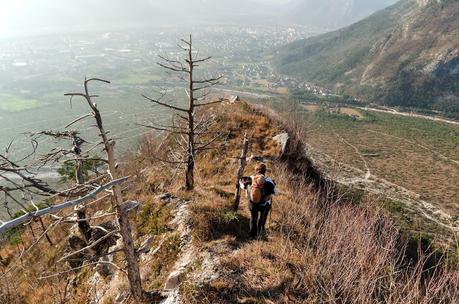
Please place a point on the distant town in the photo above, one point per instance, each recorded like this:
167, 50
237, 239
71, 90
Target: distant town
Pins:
34, 71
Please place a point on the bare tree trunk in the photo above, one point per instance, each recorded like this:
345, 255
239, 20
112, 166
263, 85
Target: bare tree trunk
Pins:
123, 220
79, 170
189, 182
33, 233
126, 234
240, 172
83, 225
122, 215
44, 230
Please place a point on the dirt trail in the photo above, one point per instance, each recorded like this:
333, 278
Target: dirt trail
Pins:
189, 254
357, 151
181, 223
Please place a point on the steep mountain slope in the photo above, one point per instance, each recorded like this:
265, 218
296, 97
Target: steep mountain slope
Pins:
404, 55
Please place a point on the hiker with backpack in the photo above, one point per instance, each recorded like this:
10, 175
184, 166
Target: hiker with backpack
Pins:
260, 189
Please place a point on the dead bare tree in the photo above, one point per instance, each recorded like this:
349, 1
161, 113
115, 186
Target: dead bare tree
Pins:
18, 181
21, 180
4, 226
240, 172
192, 133
25, 181
75, 153
121, 208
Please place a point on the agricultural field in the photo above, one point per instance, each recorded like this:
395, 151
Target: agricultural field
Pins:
411, 160
11, 103
35, 72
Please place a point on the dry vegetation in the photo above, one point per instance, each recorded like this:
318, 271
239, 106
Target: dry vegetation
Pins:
400, 158
419, 155
317, 250
319, 247
27, 257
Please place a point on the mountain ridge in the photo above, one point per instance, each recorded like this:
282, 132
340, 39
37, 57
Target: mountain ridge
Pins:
404, 55
193, 247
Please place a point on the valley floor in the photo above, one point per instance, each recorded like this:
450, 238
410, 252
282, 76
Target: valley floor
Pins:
410, 162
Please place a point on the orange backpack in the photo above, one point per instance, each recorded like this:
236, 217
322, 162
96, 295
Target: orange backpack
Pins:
258, 182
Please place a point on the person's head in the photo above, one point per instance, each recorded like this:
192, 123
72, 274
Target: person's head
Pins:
260, 169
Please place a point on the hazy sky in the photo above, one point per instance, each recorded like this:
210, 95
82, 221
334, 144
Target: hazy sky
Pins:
36, 16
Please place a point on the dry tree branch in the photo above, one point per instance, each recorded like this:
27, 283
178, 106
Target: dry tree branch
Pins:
165, 104
53, 209
210, 80
92, 245
78, 119
202, 60
210, 102
117, 203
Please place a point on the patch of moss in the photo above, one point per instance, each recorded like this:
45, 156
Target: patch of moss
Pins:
153, 218
393, 206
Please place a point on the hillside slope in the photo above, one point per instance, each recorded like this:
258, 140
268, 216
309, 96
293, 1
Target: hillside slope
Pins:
405, 55
319, 247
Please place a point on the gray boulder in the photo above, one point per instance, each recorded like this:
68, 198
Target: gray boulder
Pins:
283, 140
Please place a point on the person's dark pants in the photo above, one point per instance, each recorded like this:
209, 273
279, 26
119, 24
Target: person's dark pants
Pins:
259, 215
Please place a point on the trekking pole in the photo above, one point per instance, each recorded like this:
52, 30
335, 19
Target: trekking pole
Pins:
271, 211
240, 172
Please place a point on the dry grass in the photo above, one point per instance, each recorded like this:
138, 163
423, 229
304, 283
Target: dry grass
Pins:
19, 276
320, 249
148, 179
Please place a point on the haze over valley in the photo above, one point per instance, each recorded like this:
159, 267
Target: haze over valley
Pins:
214, 151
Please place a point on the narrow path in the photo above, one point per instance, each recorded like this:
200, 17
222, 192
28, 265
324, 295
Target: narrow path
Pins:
207, 258
181, 223
368, 172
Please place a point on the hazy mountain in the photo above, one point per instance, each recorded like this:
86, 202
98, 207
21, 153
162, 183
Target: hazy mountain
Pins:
313, 13
30, 16
407, 54
333, 13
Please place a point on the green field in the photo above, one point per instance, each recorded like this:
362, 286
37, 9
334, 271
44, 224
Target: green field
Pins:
11, 103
